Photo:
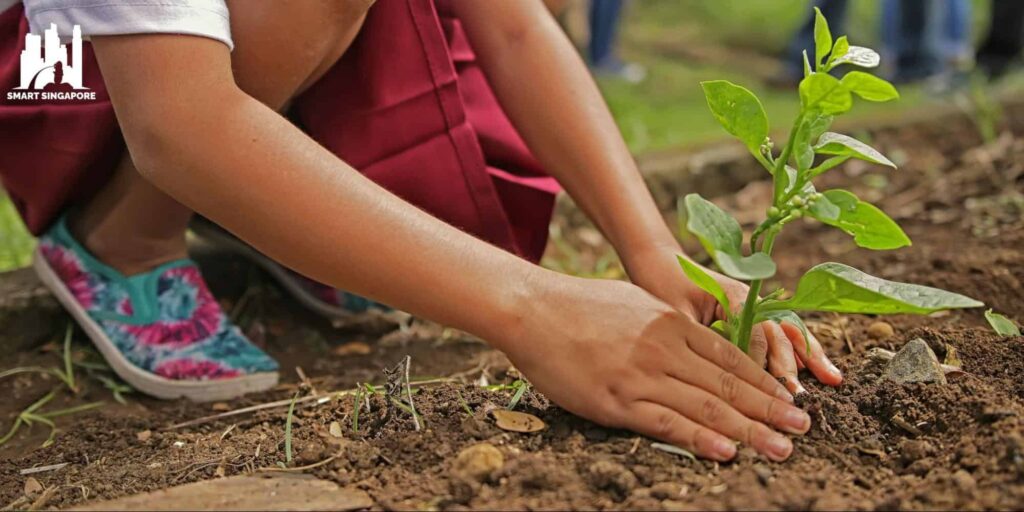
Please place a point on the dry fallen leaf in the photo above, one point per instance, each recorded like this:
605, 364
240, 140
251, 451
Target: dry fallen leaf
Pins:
335, 429
32, 487
517, 421
952, 358
354, 348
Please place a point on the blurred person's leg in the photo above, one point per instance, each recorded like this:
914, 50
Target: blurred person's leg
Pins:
605, 16
906, 30
1005, 37
604, 21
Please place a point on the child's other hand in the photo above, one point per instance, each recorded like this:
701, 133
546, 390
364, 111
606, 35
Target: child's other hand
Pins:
783, 346
611, 352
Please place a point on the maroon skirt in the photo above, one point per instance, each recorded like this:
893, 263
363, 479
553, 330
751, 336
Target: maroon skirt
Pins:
407, 105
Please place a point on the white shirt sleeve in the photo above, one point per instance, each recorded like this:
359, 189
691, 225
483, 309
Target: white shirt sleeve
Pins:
206, 18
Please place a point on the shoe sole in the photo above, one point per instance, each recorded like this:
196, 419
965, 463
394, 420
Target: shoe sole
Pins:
278, 272
146, 382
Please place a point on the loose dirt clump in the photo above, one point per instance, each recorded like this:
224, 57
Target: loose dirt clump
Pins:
874, 443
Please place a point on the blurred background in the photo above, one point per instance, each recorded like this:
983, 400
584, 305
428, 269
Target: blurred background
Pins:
650, 55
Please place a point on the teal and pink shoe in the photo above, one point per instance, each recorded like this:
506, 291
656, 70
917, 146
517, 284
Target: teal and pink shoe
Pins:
161, 331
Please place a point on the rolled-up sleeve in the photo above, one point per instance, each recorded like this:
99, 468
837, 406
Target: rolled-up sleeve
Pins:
206, 18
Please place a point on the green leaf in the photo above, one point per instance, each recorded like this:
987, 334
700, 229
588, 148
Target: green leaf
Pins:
822, 38
721, 328
738, 111
831, 143
813, 126
716, 230
756, 266
722, 238
844, 289
784, 315
870, 227
857, 56
824, 210
704, 281
869, 86
824, 93
841, 46
807, 65
1002, 325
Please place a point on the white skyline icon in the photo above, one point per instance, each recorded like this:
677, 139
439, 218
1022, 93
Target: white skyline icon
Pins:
38, 69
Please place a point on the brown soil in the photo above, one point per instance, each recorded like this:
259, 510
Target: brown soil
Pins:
873, 445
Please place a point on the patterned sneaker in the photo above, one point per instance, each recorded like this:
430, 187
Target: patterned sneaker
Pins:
320, 298
161, 331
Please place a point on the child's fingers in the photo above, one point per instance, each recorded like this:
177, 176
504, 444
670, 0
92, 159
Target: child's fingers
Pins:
758, 348
737, 394
714, 413
817, 361
726, 356
782, 362
665, 424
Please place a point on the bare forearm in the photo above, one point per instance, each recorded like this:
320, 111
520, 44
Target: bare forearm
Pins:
547, 92
231, 158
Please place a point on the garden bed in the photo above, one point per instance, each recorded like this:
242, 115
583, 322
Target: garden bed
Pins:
872, 445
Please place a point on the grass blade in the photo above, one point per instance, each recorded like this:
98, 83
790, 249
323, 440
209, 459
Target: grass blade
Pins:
288, 430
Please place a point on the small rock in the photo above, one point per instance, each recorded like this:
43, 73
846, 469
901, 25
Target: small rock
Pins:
963, 480
144, 436
666, 490
480, 461
612, 476
355, 348
915, 449
764, 474
220, 407
881, 331
32, 487
311, 453
915, 362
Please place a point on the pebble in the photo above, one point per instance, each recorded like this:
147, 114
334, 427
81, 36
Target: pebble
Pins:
666, 490
915, 362
144, 436
764, 474
612, 476
881, 331
963, 480
479, 462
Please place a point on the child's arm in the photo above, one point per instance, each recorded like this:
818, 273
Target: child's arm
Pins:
548, 94
605, 350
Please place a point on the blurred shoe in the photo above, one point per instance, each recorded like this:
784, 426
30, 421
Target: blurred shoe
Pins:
161, 331
322, 299
630, 72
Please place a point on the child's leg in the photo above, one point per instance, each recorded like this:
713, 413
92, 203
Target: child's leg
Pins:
133, 226
161, 330
130, 224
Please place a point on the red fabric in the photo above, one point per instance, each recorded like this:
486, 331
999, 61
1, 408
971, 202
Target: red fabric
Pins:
51, 154
407, 105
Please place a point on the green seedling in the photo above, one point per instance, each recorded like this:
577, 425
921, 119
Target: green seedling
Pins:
1002, 325
32, 414
357, 405
464, 403
521, 386
811, 150
288, 429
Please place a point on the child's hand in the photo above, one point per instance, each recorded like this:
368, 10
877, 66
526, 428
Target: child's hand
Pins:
613, 353
783, 346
